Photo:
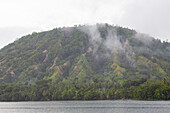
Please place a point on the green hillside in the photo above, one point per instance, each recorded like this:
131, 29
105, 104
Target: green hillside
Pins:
85, 62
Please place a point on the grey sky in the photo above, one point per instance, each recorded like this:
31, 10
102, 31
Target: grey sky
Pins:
22, 17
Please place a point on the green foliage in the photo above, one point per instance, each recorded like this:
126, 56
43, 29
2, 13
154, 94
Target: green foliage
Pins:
60, 64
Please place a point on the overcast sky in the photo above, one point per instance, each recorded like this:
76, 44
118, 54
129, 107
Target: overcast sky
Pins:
22, 17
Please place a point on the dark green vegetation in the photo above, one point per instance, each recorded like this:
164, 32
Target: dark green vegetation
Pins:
85, 62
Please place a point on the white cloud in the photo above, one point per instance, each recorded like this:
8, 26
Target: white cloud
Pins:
148, 16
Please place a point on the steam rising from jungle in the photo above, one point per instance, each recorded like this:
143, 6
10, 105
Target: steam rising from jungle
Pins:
107, 42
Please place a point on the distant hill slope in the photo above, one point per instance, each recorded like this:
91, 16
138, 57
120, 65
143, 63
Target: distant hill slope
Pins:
86, 54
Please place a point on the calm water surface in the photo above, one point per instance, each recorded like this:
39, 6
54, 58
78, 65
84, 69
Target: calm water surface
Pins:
126, 106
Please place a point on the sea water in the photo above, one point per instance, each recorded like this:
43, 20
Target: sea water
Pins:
112, 106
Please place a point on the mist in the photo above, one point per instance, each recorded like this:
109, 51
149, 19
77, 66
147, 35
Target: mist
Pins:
112, 44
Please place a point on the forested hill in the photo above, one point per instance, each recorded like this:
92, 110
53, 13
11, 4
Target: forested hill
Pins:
85, 62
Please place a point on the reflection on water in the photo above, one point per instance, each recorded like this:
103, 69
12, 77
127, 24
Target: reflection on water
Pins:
127, 106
